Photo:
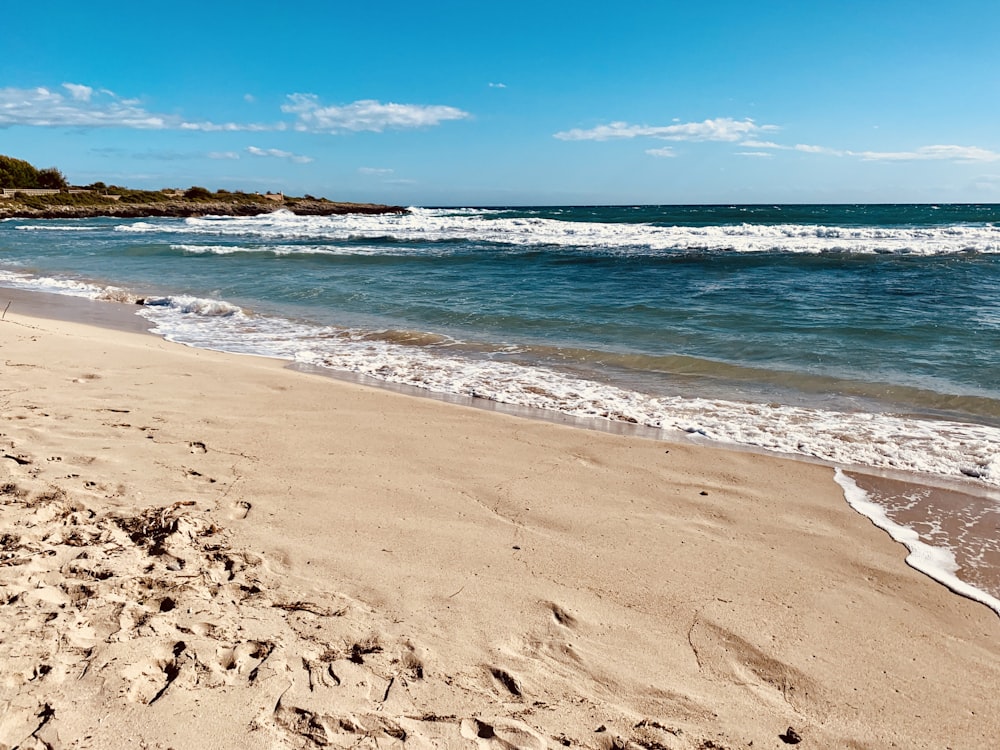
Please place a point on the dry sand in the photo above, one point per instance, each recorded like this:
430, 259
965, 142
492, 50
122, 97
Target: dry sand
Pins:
201, 550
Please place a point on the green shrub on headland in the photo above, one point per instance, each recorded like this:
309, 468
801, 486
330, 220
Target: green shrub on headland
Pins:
42, 202
196, 193
17, 173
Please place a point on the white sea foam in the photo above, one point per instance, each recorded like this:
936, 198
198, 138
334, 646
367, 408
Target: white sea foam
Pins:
193, 249
439, 225
56, 228
935, 562
70, 287
212, 249
187, 305
141, 227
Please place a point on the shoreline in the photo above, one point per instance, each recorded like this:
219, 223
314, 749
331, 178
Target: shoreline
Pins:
389, 567
121, 316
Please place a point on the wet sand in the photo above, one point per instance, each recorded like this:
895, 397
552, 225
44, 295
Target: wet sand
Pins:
964, 522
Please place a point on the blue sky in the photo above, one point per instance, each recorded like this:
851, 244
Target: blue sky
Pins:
466, 103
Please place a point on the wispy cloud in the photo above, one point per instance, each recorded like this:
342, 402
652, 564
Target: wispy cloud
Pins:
810, 149
987, 182
747, 134
933, 153
718, 129
497, 85
232, 127
85, 107
79, 91
277, 153
803, 147
375, 170
924, 153
161, 154
365, 115
167, 155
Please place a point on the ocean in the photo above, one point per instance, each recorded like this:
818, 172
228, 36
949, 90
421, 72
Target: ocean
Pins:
864, 336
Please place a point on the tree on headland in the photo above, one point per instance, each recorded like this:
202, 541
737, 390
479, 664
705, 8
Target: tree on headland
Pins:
17, 173
52, 178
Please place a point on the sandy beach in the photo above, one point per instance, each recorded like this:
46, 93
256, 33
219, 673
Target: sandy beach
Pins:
200, 550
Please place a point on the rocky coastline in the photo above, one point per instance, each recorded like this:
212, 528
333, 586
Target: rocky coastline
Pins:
183, 208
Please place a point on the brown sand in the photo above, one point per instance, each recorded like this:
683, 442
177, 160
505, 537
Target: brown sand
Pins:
202, 550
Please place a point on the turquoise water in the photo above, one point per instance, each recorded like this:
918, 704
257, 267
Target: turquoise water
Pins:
864, 336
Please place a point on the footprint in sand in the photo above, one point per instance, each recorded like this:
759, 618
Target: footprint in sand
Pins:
153, 605
320, 730
724, 655
502, 734
507, 681
561, 616
240, 510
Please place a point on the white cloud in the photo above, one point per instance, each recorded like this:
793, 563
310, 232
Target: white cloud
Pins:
665, 152
44, 108
718, 129
932, 153
249, 98
85, 108
223, 155
79, 91
277, 153
757, 154
497, 85
375, 170
365, 115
